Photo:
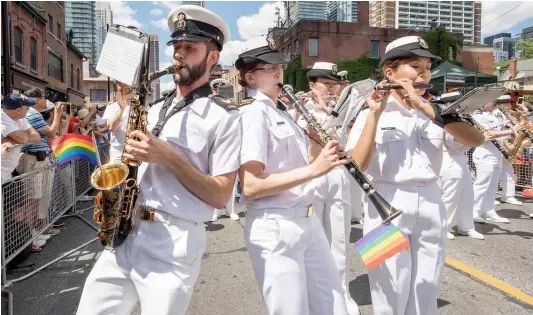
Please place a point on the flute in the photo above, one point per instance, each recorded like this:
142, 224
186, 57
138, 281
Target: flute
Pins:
399, 87
386, 211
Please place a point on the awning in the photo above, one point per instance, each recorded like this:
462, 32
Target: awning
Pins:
75, 98
24, 83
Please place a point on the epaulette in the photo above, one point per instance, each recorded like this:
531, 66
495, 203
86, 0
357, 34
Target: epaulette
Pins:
162, 98
226, 103
246, 101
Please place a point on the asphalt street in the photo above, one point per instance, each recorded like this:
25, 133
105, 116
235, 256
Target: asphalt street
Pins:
227, 284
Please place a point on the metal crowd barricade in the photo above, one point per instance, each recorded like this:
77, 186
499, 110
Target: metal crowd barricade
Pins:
33, 202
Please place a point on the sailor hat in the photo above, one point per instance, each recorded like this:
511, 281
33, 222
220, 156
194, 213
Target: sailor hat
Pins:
504, 99
326, 70
405, 47
194, 23
343, 75
268, 54
218, 82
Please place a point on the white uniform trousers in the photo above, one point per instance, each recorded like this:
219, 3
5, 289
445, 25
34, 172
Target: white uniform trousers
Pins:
457, 191
485, 187
356, 194
408, 283
507, 180
333, 208
158, 264
292, 262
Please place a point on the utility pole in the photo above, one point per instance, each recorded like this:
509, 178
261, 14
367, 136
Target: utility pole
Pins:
6, 55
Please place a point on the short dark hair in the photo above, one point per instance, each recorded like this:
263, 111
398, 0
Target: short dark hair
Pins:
34, 92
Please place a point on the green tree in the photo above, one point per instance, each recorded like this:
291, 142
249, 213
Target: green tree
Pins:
360, 68
442, 43
503, 64
295, 75
526, 48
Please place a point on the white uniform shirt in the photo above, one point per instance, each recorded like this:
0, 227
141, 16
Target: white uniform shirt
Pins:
208, 137
269, 136
11, 159
408, 150
487, 152
453, 147
119, 136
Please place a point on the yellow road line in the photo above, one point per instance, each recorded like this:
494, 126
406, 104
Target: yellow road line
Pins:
490, 280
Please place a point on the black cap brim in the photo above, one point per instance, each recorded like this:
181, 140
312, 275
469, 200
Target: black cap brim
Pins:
399, 53
188, 37
29, 101
273, 58
325, 74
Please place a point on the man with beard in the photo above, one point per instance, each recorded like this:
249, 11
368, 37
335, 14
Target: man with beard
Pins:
190, 158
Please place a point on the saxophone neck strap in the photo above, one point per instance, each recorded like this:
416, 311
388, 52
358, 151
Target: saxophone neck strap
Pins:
202, 91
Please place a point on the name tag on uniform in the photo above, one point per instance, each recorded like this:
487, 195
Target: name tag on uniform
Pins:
388, 128
279, 123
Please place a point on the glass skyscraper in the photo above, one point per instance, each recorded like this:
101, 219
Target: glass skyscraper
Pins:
80, 17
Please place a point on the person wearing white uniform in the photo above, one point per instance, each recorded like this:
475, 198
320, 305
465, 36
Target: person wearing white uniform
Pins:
488, 161
288, 249
400, 146
116, 115
457, 191
507, 175
189, 167
332, 199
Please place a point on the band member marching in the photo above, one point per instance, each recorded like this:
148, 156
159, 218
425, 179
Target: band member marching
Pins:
216, 83
285, 241
488, 161
190, 164
398, 147
333, 190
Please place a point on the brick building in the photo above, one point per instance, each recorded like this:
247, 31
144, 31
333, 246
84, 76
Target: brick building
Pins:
75, 59
28, 47
470, 54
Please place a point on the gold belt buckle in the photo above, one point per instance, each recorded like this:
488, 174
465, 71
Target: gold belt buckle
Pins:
309, 210
147, 215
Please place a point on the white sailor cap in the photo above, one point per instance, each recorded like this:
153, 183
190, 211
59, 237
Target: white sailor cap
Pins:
262, 50
343, 75
405, 47
504, 99
194, 23
326, 70
218, 82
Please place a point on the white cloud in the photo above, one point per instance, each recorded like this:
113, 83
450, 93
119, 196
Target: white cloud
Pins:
169, 51
166, 85
156, 12
257, 24
123, 14
167, 4
161, 23
492, 10
233, 48
164, 65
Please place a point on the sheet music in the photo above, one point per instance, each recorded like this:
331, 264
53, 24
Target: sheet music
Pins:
121, 58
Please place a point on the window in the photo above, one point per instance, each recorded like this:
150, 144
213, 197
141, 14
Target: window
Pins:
296, 48
18, 44
374, 49
33, 53
98, 95
313, 46
55, 67
72, 75
50, 24
78, 79
59, 31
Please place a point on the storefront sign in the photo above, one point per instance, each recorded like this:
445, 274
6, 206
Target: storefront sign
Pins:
455, 77
24, 83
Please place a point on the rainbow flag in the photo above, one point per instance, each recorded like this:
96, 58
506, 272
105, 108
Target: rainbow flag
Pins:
380, 244
72, 147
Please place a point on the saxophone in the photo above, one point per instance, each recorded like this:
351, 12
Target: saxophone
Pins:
117, 181
521, 141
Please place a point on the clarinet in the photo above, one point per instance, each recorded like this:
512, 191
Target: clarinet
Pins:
386, 211
480, 128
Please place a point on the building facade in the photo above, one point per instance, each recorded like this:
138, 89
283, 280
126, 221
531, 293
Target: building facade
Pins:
153, 64
103, 19
198, 3
306, 10
489, 40
504, 48
477, 54
74, 80
28, 64
457, 16
80, 18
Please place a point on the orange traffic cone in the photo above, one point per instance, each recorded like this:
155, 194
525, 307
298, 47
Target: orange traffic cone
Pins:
527, 193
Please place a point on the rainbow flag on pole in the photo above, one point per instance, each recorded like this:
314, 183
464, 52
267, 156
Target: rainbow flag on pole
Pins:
380, 244
72, 147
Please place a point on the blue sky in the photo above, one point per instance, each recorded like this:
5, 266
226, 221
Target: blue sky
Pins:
249, 19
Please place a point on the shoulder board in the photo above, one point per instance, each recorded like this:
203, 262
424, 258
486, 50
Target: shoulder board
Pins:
226, 103
246, 101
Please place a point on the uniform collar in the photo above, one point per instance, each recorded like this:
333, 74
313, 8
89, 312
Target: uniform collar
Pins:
259, 96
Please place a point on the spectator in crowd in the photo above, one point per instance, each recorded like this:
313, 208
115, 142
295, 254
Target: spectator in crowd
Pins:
103, 134
15, 130
39, 156
77, 122
117, 115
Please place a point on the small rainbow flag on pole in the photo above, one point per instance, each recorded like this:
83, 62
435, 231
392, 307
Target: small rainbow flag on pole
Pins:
380, 244
72, 147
